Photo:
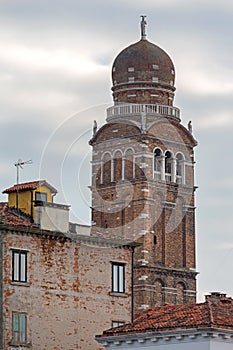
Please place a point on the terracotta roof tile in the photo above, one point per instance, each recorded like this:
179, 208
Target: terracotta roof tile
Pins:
29, 186
213, 314
11, 216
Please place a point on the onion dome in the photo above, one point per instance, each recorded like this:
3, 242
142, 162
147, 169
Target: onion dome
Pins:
143, 73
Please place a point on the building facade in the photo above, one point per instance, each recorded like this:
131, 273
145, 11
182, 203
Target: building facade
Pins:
143, 176
204, 326
57, 290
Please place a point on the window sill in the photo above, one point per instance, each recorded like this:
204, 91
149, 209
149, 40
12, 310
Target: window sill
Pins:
21, 284
116, 294
20, 345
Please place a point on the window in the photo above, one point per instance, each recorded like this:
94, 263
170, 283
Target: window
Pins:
131, 69
19, 266
155, 79
117, 324
155, 240
19, 327
168, 166
131, 79
157, 164
41, 196
180, 168
118, 277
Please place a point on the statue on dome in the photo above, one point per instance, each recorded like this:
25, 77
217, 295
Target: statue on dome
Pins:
190, 127
143, 28
94, 127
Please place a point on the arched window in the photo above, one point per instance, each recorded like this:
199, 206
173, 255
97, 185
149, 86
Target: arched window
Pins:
157, 163
129, 164
117, 166
168, 166
106, 168
180, 169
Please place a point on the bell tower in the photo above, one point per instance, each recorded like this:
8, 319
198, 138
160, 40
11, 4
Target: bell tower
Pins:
143, 176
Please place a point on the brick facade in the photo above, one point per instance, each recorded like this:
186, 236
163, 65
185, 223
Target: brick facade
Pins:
143, 177
67, 297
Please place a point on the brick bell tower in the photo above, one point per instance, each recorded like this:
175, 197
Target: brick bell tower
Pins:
143, 176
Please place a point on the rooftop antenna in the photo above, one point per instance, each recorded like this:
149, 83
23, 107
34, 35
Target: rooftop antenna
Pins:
18, 165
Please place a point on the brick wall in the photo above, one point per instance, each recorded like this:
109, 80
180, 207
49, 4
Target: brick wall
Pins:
68, 295
158, 214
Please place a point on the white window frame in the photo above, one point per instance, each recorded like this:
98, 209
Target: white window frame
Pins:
19, 266
118, 277
117, 324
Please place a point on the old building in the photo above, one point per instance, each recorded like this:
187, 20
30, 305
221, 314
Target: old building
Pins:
35, 199
204, 326
143, 176
58, 289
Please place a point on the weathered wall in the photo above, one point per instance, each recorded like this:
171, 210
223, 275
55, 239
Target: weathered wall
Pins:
67, 297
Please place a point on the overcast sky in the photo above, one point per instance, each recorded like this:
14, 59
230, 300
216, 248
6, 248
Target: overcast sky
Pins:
55, 68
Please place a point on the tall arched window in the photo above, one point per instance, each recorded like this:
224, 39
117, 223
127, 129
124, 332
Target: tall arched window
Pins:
157, 163
117, 166
180, 176
129, 164
168, 166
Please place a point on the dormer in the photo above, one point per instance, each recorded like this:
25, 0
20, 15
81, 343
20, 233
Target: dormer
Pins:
36, 200
25, 196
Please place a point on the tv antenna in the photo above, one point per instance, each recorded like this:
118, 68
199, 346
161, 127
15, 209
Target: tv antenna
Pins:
18, 165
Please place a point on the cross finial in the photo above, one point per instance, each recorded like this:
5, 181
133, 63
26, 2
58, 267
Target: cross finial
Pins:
143, 28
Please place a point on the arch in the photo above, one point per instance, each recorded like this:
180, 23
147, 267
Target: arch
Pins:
106, 167
129, 164
158, 163
129, 149
117, 165
104, 155
180, 292
116, 151
180, 168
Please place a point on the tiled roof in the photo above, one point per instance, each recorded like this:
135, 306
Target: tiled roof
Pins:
29, 186
13, 217
213, 313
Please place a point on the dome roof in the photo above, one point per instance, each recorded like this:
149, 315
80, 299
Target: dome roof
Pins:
143, 61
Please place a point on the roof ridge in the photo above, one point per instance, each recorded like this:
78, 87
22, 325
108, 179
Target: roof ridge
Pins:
29, 185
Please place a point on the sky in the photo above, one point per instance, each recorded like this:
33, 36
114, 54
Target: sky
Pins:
55, 79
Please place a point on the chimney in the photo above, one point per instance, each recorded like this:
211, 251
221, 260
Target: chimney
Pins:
217, 297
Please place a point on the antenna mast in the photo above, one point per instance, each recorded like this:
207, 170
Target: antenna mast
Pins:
18, 165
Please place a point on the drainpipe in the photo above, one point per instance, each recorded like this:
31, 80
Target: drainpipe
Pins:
32, 206
132, 283
2, 345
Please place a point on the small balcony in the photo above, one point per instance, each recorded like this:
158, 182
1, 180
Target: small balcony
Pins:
130, 109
